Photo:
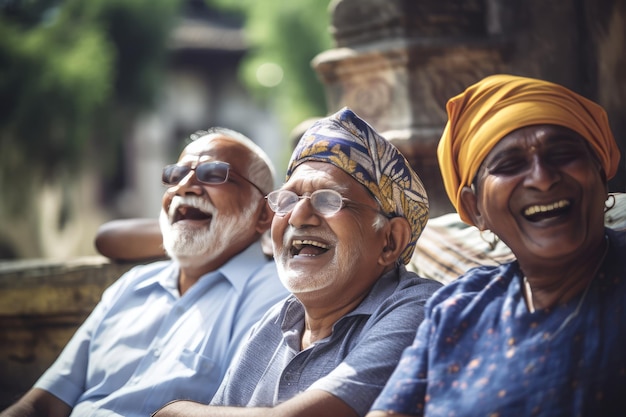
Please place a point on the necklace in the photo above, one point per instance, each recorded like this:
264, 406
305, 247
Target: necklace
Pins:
528, 295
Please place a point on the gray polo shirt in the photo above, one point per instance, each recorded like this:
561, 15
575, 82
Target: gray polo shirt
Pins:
353, 363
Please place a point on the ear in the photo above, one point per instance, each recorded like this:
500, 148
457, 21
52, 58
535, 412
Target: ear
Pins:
264, 220
469, 202
398, 235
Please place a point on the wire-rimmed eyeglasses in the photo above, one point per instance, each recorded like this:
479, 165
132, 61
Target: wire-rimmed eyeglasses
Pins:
211, 173
325, 202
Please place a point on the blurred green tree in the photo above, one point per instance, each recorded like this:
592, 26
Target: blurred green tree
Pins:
284, 36
73, 73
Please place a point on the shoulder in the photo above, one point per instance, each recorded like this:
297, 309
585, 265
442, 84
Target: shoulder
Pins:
141, 276
275, 315
484, 282
266, 270
411, 285
398, 285
151, 268
398, 300
249, 265
148, 272
264, 282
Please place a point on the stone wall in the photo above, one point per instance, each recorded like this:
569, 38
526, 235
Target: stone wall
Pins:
41, 305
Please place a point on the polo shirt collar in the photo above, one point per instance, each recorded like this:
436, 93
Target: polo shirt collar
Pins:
293, 310
384, 287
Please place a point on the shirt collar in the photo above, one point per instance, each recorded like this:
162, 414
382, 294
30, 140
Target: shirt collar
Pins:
382, 289
241, 266
236, 270
293, 310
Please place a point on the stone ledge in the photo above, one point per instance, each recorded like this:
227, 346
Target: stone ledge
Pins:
42, 303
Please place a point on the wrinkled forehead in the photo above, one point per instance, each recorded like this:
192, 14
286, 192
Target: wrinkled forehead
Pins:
535, 138
216, 148
316, 175
311, 176
530, 138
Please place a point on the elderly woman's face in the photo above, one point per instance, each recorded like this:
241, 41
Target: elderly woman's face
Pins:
542, 191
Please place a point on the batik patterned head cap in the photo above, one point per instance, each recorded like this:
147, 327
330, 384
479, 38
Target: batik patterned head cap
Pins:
350, 144
489, 110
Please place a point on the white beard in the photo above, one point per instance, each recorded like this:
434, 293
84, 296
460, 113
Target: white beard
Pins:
303, 280
185, 243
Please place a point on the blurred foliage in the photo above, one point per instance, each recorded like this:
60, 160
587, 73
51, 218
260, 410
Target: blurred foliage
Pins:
68, 70
75, 73
289, 34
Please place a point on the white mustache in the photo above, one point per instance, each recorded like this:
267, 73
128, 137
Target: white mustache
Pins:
292, 233
190, 201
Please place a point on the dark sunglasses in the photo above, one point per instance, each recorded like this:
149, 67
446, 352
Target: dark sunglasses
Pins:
211, 173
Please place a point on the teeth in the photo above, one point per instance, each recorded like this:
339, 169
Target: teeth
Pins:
300, 243
545, 208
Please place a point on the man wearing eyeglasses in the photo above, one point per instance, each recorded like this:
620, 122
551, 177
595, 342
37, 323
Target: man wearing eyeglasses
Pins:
169, 329
346, 222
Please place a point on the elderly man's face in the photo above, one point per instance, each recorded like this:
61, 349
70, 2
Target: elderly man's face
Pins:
332, 257
204, 222
541, 190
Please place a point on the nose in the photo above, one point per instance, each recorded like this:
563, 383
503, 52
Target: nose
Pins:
541, 175
303, 214
188, 185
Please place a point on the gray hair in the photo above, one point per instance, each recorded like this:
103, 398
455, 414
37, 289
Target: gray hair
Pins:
261, 170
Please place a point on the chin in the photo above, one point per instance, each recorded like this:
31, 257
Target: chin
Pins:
184, 246
300, 281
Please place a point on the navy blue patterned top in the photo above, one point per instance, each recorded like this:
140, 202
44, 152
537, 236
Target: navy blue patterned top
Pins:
480, 352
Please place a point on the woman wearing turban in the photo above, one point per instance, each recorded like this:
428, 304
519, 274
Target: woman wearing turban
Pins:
544, 335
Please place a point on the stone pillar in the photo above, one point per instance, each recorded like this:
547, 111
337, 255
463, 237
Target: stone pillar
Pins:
396, 64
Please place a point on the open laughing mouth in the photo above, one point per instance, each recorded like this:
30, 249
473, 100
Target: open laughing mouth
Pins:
308, 247
540, 212
190, 213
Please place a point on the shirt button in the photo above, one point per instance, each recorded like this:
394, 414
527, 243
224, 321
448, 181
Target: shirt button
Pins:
156, 352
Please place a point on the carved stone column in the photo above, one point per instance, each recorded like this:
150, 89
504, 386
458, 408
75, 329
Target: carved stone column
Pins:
396, 64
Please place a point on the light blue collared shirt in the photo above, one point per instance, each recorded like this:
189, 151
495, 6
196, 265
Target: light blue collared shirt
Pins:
144, 344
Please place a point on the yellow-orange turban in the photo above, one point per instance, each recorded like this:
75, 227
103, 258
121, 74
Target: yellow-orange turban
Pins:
496, 106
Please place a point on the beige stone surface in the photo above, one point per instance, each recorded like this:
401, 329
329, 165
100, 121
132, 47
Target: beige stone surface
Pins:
42, 303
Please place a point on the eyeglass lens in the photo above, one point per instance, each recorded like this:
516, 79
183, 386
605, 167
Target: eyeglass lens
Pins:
325, 202
214, 172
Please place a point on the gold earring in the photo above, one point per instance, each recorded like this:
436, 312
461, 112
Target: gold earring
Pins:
491, 242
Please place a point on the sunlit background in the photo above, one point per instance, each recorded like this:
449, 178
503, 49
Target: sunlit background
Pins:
98, 95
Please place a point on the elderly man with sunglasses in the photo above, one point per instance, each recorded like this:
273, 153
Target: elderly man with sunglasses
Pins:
346, 223
169, 329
